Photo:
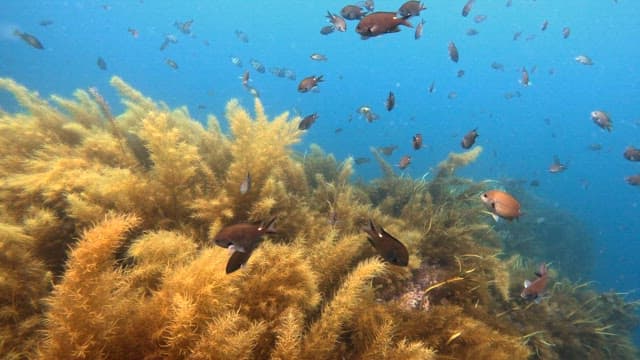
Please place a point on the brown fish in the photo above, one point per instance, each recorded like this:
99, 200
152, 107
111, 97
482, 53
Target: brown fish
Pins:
369, 5
389, 248
308, 121
469, 139
453, 52
352, 12
467, 7
404, 162
242, 239
101, 63
391, 101
602, 119
557, 166
633, 180
337, 21
29, 39
411, 8
245, 78
387, 150
501, 204
326, 30
362, 160
379, 23
533, 289
309, 83
417, 141
632, 154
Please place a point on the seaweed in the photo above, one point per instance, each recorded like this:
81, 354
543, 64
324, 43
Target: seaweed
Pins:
105, 228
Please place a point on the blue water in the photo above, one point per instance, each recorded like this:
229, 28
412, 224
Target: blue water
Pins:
520, 136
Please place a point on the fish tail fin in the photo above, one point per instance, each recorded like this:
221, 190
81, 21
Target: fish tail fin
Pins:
269, 226
17, 32
405, 21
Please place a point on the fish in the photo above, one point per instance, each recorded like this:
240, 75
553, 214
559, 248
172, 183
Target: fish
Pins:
318, 57
534, 183
602, 119
29, 39
633, 180
404, 162
460, 73
595, 147
369, 5
352, 12
453, 52
289, 74
169, 39
632, 154
45, 22
584, 60
557, 166
466, 9
257, 65
472, 32
184, 27
419, 30
391, 101
308, 120
517, 35
326, 30
416, 141
236, 61
524, 77
432, 87
245, 186
133, 32
479, 18
242, 36
469, 139
533, 290
387, 246
172, 64
242, 238
452, 95
497, 66
279, 72
411, 8
309, 83
337, 130
501, 205
387, 150
337, 21
245, 78
362, 160
101, 63
566, 31
379, 23
544, 26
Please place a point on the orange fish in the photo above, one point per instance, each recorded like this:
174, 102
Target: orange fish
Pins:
501, 204
242, 239
390, 248
533, 289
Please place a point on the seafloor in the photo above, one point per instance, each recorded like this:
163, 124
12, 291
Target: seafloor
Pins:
106, 224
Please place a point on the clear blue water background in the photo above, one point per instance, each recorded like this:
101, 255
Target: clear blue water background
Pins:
519, 143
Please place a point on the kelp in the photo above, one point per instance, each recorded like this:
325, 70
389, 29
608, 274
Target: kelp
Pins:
105, 228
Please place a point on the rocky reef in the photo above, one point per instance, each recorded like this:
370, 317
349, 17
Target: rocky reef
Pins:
106, 224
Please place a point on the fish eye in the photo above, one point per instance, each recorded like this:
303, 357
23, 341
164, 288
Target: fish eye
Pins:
484, 195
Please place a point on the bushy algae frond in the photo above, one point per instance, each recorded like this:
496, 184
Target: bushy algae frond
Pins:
105, 221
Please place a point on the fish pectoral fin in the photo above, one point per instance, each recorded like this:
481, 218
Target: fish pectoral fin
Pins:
494, 216
527, 283
237, 260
